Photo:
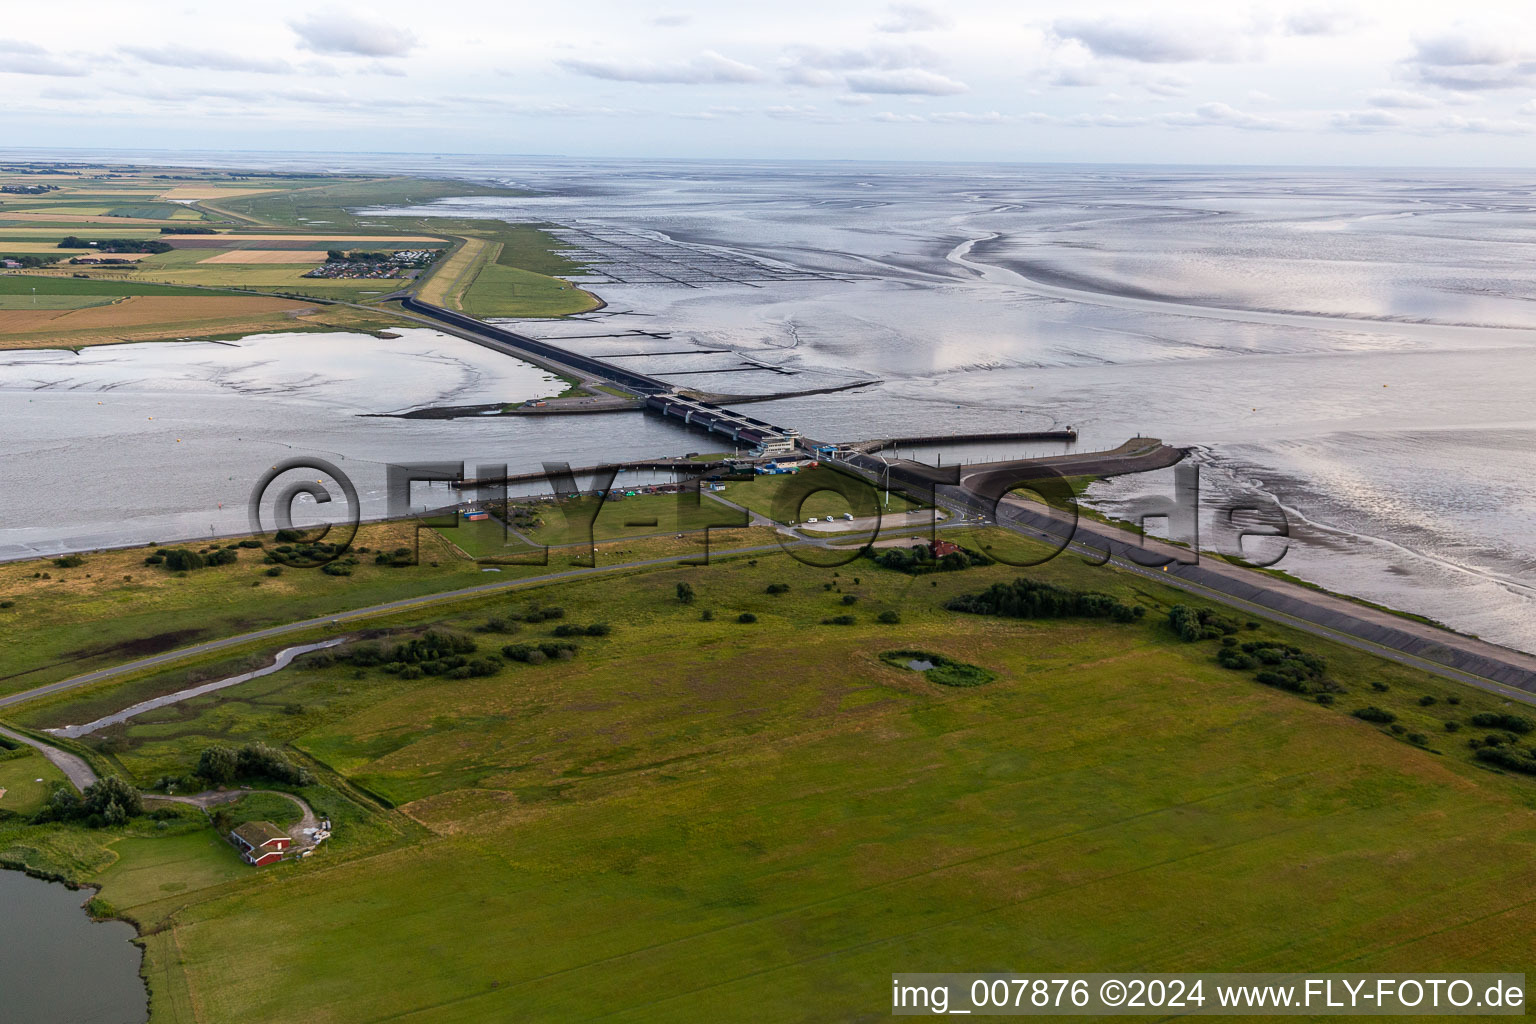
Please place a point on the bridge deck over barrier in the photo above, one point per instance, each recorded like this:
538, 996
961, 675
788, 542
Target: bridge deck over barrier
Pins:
520, 345
717, 420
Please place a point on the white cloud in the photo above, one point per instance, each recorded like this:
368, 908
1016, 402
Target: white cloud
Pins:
1365, 121
18, 57
1102, 121
913, 18
707, 68
905, 81
1473, 59
1528, 107
1482, 126
671, 20
1160, 41
1320, 21
351, 34
211, 60
1400, 99
1076, 77
1220, 115
1168, 85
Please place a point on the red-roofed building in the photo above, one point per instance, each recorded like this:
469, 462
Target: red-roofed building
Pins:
940, 548
260, 842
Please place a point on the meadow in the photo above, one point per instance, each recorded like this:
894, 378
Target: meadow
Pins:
697, 816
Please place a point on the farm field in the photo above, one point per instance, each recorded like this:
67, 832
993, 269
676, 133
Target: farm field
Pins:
687, 819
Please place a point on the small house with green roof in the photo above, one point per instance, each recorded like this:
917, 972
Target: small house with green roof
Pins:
260, 842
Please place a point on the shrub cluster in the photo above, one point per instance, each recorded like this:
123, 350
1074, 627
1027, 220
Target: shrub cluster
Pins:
116, 244
1192, 624
1523, 761
107, 801
918, 559
1284, 666
1499, 720
222, 765
184, 560
1028, 599
431, 654
1380, 716
538, 654
571, 629
396, 558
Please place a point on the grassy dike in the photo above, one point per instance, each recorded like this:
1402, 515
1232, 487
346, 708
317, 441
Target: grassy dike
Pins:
698, 816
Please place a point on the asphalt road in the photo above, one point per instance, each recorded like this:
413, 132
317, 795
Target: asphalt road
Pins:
73, 766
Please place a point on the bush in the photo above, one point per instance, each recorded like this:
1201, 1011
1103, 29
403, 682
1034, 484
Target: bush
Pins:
259, 761
1232, 658
1380, 687
778, 588
182, 560
250, 543
224, 556
1325, 699
113, 799
685, 593
707, 615
599, 629
841, 620
1453, 700
1500, 720
1374, 714
918, 559
69, 562
1426, 700
850, 599
888, 617
276, 570
746, 617
1452, 726
1514, 760
336, 569
1028, 599
1193, 624
1418, 738
219, 765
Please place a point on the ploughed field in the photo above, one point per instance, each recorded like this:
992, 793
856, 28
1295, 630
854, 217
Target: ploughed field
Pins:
689, 815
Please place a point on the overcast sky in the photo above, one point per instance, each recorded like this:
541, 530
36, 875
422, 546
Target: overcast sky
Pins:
1399, 82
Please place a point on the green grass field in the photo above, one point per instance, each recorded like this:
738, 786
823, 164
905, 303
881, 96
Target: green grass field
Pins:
19, 772
825, 491
499, 290
24, 284
50, 301
742, 821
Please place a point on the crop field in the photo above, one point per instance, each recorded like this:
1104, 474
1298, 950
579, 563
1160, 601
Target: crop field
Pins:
167, 317
266, 256
700, 817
